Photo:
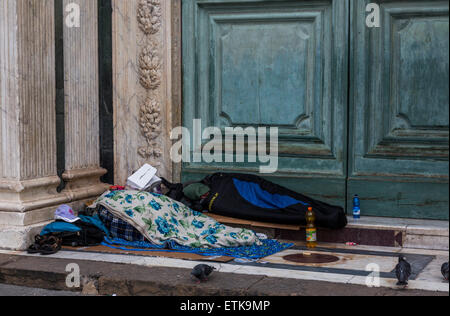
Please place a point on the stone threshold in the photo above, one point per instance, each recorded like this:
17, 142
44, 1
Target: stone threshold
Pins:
421, 234
371, 231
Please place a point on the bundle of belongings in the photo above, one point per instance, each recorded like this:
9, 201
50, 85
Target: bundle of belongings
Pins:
68, 230
148, 221
162, 221
250, 197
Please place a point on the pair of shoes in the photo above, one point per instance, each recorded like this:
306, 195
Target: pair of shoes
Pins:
45, 245
51, 246
38, 242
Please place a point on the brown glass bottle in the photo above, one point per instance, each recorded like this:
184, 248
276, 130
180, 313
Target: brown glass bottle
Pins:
311, 230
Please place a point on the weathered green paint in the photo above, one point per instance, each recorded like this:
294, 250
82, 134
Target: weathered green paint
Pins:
399, 109
401, 199
287, 64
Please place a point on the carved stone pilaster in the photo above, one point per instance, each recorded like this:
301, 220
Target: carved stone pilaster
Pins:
28, 177
149, 20
81, 88
144, 76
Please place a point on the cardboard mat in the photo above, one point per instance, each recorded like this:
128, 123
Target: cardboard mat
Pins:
164, 254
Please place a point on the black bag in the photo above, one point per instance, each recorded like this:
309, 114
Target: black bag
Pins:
251, 197
90, 235
175, 192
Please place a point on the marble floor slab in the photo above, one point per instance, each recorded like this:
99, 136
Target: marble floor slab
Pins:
347, 261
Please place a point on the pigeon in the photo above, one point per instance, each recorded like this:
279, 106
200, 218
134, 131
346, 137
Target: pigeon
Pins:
444, 270
403, 271
202, 271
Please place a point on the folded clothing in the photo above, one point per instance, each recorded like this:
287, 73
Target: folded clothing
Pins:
87, 231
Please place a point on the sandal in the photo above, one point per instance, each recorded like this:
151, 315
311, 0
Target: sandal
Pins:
51, 246
38, 242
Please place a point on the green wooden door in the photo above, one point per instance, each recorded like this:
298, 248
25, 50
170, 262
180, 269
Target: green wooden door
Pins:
288, 64
399, 115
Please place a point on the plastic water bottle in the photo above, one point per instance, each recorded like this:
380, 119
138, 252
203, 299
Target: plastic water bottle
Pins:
356, 207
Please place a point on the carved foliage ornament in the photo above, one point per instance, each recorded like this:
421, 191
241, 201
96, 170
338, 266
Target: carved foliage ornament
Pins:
150, 67
149, 16
149, 19
150, 123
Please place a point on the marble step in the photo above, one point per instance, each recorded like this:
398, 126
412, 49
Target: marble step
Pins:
371, 231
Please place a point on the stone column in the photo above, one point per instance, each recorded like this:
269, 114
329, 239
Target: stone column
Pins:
81, 88
147, 84
28, 177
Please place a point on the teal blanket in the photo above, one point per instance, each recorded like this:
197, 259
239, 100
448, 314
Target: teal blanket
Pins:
161, 220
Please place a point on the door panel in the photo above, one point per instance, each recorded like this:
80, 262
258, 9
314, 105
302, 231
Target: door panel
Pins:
400, 110
274, 64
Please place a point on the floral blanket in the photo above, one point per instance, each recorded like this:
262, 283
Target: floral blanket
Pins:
161, 219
